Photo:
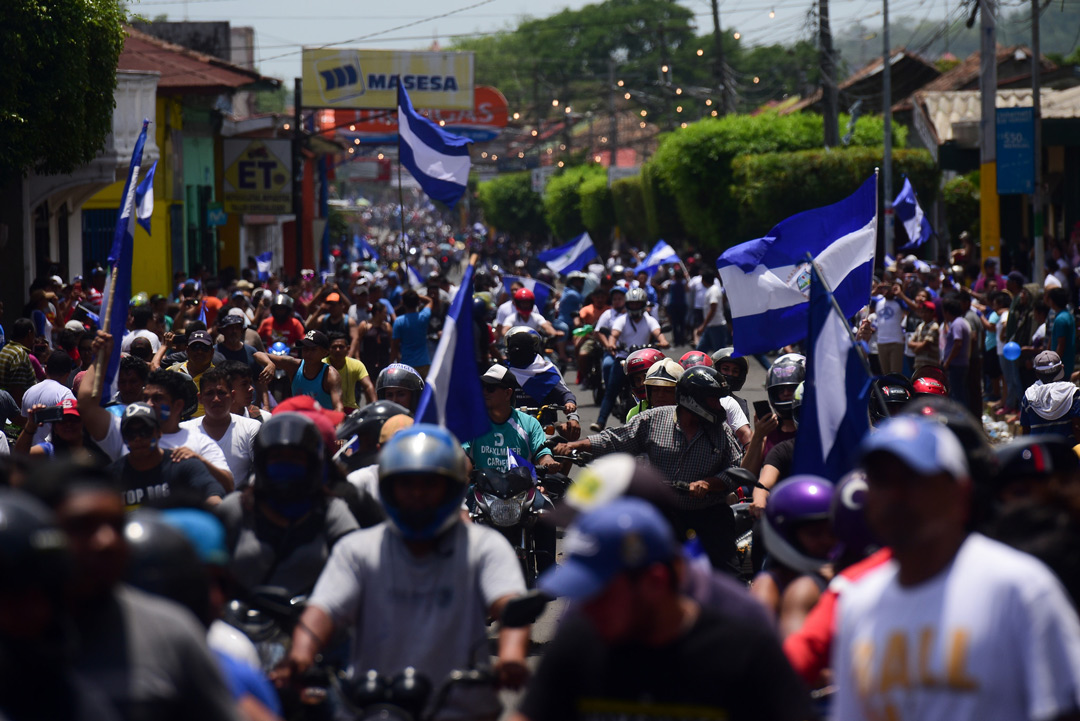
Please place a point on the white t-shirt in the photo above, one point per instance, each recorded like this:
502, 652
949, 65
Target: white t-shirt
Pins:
1003, 319
715, 294
49, 393
889, 318
155, 342
608, 317
503, 313
113, 444
237, 445
993, 636
366, 480
736, 419
634, 332
534, 321
694, 286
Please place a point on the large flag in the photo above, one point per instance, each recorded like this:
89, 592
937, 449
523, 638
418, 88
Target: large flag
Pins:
453, 397
414, 277
263, 263
768, 280
144, 199
538, 378
575, 255
366, 250
661, 254
542, 292
833, 416
437, 159
910, 214
117, 294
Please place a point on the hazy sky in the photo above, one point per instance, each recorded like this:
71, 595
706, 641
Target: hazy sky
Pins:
282, 27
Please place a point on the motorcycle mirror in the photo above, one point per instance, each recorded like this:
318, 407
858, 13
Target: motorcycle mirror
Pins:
525, 609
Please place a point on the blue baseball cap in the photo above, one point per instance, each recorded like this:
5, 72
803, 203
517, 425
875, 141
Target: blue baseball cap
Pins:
624, 535
203, 530
926, 446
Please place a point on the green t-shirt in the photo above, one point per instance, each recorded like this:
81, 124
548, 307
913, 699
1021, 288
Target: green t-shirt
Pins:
521, 432
641, 406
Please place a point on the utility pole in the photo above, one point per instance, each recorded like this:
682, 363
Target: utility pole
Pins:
725, 105
613, 109
830, 94
1036, 191
886, 99
989, 208
536, 106
298, 171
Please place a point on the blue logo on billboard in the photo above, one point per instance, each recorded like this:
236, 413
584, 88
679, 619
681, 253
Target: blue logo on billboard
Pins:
430, 83
340, 77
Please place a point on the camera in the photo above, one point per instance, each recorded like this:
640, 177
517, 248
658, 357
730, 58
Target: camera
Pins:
49, 415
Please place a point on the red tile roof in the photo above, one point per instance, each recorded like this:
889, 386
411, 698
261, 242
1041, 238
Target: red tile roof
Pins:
184, 71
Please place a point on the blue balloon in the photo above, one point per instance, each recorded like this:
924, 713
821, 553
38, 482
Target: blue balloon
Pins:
1011, 351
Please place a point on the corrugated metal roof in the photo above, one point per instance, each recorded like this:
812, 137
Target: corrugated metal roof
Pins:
944, 108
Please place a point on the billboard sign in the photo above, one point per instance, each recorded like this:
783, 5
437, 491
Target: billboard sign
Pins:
258, 176
351, 78
1015, 151
483, 122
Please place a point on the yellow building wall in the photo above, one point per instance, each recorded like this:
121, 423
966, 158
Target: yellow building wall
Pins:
228, 234
152, 265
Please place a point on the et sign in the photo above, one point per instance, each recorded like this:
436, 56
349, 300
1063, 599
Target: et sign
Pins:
258, 176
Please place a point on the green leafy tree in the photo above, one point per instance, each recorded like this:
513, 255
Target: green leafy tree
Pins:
562, 201
628, 202
509, 203
961, 198
597, 207
58, 76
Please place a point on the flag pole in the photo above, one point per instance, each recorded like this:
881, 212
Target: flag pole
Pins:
401, 213
102, 361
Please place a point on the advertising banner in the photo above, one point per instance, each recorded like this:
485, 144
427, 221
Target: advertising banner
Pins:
351, 78
482, 122
1015, 151
258, 176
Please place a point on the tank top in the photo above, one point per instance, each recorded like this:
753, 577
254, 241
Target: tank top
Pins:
375, 349
301, 386
341, 326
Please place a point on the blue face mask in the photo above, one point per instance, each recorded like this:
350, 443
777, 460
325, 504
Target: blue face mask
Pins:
285, 474
291, 510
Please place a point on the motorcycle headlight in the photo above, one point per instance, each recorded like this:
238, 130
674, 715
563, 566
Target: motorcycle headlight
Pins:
506, 511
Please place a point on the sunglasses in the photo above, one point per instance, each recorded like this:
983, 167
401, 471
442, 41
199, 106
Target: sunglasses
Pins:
489, 388
140, 431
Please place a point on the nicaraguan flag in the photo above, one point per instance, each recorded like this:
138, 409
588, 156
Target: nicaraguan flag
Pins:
367, 250
453, 397
833, 416
538, 378
144, 199
768, 280
910, 214
414, 277
541, 290
575, 255
661, 254
516, 460
438, 160
117, 293
263, 262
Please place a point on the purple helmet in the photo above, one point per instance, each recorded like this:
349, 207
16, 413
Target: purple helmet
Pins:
854, 539
795, 501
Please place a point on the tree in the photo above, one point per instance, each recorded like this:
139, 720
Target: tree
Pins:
510, 205
58, 76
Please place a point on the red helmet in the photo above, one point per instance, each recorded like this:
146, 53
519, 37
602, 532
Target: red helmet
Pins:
929, 386
695, 358
642, 360
524, 298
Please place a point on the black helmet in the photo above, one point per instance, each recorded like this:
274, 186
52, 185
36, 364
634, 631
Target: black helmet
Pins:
786, 372
522, 345
289, 488
636, 302
369, 420
399, 375
33, 551
282, 299
163, 562
892, 390
726, 355
700, 390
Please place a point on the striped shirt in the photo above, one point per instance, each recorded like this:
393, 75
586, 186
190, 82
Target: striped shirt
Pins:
15, 369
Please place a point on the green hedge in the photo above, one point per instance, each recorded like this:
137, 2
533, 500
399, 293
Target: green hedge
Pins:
772, 186
562, 201
597, 207
661, 214
961, 198
509, 204
628, 201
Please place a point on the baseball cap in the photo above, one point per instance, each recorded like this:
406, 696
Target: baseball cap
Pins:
1048, 366
333, 298
929, 305
926, 446
244, 285
360, 289
315, 339
498, 375
231, 318
1041, 455
139, 413
325, 419
76, 326
624, 535
200, 336
614, 476
70, 406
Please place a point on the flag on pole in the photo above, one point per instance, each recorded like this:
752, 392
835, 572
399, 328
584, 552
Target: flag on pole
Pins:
366, 250
117, 294
263, 262
438, 160
768, 280
540, 290
538, 378
661, 254
202, 313
414, 277
910, 214
453, 397
144, 199
833, 416
575, 255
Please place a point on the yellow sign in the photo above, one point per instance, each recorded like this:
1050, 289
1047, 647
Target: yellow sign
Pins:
369, 79
258, 176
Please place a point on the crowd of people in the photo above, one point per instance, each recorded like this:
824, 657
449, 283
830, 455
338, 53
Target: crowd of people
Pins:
260, 434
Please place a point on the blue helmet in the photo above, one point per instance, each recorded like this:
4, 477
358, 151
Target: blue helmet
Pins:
279, 348
423, 450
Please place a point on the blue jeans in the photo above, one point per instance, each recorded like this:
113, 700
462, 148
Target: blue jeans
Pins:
1011, 371
614, 380
714, 338
958, 388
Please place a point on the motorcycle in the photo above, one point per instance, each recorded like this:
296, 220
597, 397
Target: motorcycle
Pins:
513, 503
408, 696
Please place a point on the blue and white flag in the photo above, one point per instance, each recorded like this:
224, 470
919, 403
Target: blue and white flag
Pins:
453, 397
367, 250
575, 255
889, 261
833, 416
263, 263
540, 290
144, 199
202, 313
438, 160
516, 460
768, 280
907, 210
661, 254
414, 277
538, 378
117, 293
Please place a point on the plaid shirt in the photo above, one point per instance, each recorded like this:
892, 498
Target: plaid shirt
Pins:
656, 434
15, 369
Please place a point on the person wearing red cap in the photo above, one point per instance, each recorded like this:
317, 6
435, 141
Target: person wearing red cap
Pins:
65, 439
